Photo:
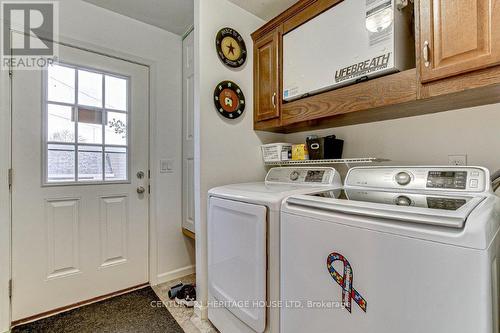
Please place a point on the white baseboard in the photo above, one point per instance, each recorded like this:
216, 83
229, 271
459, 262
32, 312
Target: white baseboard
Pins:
175, 274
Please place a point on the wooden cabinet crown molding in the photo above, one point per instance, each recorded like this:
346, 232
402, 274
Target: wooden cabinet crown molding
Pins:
278, 20
301, 12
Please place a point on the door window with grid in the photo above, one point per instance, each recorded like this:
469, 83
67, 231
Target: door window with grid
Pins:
86, 117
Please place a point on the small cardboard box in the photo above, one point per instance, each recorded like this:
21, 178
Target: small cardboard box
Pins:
299, 152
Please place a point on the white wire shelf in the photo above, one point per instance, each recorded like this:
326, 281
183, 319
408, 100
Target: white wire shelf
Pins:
327, 162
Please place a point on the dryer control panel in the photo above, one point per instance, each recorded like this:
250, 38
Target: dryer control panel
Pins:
463, 179
303, 176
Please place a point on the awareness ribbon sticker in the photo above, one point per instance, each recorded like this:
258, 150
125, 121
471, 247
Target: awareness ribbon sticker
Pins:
345, 281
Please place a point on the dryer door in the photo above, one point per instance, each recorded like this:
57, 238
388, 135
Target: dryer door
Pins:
237, 259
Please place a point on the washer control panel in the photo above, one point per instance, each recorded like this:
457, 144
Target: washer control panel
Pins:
312, 176
464, 179
456, 180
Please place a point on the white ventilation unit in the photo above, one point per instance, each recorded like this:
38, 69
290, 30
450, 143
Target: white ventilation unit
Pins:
351, 42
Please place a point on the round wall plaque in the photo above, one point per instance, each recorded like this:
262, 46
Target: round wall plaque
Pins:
231, 47
229, 99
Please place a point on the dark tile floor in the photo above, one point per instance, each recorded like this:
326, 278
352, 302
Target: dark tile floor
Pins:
131, 312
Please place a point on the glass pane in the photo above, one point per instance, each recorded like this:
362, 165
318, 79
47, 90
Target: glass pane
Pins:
89, 88
116, 129
116, 163
116, 93
60, 163
89, 126
89, 163
60, 123
61, 84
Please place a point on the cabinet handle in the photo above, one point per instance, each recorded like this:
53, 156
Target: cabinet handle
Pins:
273, 100
426, 52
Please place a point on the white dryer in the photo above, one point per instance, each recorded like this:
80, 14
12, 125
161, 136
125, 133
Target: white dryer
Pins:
404, 249
243, 246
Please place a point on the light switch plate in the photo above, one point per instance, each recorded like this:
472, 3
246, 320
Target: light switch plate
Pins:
166, 166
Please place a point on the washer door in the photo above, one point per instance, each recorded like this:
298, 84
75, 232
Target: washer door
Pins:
237, 259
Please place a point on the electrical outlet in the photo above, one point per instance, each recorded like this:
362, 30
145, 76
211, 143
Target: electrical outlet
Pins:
458, 160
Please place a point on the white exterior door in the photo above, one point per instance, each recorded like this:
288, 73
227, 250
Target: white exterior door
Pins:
80, 225
188, 133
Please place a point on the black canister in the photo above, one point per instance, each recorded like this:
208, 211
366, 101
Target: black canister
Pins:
333, 147
315, 147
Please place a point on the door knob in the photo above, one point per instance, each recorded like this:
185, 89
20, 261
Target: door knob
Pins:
141, 190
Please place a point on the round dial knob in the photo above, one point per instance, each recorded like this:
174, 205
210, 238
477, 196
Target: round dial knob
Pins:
403, 178
403, 201
294, 175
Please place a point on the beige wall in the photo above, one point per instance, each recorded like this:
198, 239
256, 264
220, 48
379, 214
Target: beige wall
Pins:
427, 139
227, 151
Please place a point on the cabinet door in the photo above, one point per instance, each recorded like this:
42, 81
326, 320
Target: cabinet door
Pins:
266, 78
458, 36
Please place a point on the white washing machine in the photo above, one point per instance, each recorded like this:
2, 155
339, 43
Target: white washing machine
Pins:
404, 249
243, 246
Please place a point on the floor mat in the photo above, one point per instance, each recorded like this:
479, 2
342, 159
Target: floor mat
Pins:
131, 312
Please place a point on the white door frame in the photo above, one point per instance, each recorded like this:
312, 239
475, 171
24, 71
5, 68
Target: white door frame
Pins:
5, 164
187, 145
5, 203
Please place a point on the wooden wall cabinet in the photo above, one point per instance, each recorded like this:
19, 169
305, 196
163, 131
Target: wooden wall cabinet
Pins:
267, 78
458, 37
457, 66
